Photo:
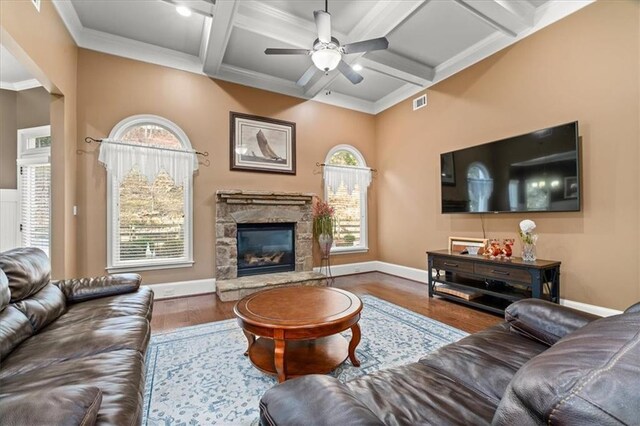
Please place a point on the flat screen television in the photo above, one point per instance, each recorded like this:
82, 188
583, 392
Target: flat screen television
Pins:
534, 172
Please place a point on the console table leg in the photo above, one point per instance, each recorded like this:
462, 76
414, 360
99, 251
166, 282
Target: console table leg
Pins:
355, 340
250, 341
279, 360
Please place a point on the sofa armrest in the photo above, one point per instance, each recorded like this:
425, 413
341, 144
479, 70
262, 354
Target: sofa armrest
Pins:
81, 289
544, 321
315, 399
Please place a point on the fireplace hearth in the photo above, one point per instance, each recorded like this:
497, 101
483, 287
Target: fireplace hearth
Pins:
265, 248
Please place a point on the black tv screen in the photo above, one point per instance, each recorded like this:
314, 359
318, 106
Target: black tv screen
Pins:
535, 172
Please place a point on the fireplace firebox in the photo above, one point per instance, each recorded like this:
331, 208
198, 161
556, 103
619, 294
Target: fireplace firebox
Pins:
265, 248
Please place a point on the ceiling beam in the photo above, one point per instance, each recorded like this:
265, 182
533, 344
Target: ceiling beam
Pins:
398, 66
508, 17
219, 34
383, 18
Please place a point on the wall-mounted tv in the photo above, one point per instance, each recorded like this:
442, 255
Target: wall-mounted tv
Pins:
534, 172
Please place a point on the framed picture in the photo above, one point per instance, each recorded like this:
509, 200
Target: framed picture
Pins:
261, 144
447, 169
571, 187
459, 244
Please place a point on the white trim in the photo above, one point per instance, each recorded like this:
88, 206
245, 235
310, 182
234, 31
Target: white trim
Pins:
20, 85
422, 276
9, 229
141, 265
592, 309
183, 288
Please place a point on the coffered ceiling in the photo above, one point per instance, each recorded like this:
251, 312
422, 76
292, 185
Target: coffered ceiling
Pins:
225, 39
13, 75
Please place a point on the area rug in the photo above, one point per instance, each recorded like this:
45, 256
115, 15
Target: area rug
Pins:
199, 375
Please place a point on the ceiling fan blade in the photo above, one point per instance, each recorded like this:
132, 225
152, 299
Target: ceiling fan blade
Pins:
307, 76
323, 24
366, 45
348, 72
276, 51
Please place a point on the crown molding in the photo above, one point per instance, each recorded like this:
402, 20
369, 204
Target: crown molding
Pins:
20, 85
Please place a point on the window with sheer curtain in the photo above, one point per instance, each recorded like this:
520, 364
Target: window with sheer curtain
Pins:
149, 196
346, 181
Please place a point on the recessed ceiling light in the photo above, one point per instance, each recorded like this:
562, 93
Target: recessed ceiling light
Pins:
183, 10
357, 67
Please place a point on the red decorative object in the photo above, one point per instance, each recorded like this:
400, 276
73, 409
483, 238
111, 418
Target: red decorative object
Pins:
507, 248
494, 249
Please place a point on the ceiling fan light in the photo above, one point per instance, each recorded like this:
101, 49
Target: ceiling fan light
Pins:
326, 59
184, 11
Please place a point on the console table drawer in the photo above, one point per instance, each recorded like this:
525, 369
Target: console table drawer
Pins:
503, 273
453, 265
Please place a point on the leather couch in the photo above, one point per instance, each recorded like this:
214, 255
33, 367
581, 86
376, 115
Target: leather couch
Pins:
546, 364
71, 351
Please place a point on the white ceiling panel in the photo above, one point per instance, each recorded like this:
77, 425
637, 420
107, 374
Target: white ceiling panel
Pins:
149, 21
372, 88
344, 14
11, 70
438, 31
246, 50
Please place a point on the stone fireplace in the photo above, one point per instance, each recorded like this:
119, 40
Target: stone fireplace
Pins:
263, 239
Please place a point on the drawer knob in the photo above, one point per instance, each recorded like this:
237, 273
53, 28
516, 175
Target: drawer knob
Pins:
455, 265
494, 271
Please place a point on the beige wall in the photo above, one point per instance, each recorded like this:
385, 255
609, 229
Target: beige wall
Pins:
8, 136
584, 68
33, 108
40, 41
112, 88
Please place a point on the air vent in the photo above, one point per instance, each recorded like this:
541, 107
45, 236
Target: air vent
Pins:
420, 102
36, 4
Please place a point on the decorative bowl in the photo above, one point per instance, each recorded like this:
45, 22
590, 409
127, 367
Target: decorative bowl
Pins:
473, 250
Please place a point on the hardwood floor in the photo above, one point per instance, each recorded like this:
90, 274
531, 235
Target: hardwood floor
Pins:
170, 314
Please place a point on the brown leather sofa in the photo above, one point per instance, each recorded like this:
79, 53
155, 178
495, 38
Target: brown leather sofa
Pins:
547, 364
71, 351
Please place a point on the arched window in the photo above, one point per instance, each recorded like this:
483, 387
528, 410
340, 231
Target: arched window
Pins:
150, 207
479, 186
346, 182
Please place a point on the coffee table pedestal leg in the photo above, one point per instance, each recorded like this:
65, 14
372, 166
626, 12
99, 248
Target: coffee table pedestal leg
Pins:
250, 340
355, 340
279, 360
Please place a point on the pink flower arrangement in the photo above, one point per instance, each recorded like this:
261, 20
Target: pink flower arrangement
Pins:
322, 218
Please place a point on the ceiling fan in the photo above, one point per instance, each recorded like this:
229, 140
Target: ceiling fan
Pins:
327, 51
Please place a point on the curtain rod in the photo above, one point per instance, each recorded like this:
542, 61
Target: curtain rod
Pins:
89, 139
346, 167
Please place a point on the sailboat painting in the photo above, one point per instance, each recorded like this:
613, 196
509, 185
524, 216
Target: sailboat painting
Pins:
262, 144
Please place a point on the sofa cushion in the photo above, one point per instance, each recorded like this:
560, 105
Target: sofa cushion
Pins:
27, 269
417, 394
77, 340
5, 294
83, 289
43, 307
118, 374
14, 329
590, 376
67, 405
496, 349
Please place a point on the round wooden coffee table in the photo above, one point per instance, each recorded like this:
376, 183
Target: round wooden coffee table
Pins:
293, 331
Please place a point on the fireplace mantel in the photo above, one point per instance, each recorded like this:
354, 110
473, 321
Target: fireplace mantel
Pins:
239, 206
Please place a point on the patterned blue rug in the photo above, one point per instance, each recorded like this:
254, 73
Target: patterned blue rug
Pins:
199, 375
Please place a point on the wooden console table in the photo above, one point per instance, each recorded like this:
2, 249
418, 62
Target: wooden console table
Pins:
491, 284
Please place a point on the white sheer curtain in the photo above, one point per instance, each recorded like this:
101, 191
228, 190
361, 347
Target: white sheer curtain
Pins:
335, 176
479, 192
120, 158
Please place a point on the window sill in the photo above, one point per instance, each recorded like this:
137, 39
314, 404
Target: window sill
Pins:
347, 250
149, 267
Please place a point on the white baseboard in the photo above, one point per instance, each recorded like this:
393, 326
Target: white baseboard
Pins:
592, 309
413, 274
352, 268
183, 288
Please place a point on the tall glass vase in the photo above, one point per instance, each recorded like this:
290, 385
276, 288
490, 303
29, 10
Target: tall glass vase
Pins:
529, 252
325, 241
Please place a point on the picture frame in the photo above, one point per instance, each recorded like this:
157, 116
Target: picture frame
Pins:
459, 244
570, 187
261, 144
447, 169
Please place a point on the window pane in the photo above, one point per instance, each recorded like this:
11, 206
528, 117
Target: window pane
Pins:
152, 134
35, 205
348, 214
344, 158
152, 224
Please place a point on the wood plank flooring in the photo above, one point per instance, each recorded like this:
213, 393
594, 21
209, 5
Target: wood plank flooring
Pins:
170, 314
